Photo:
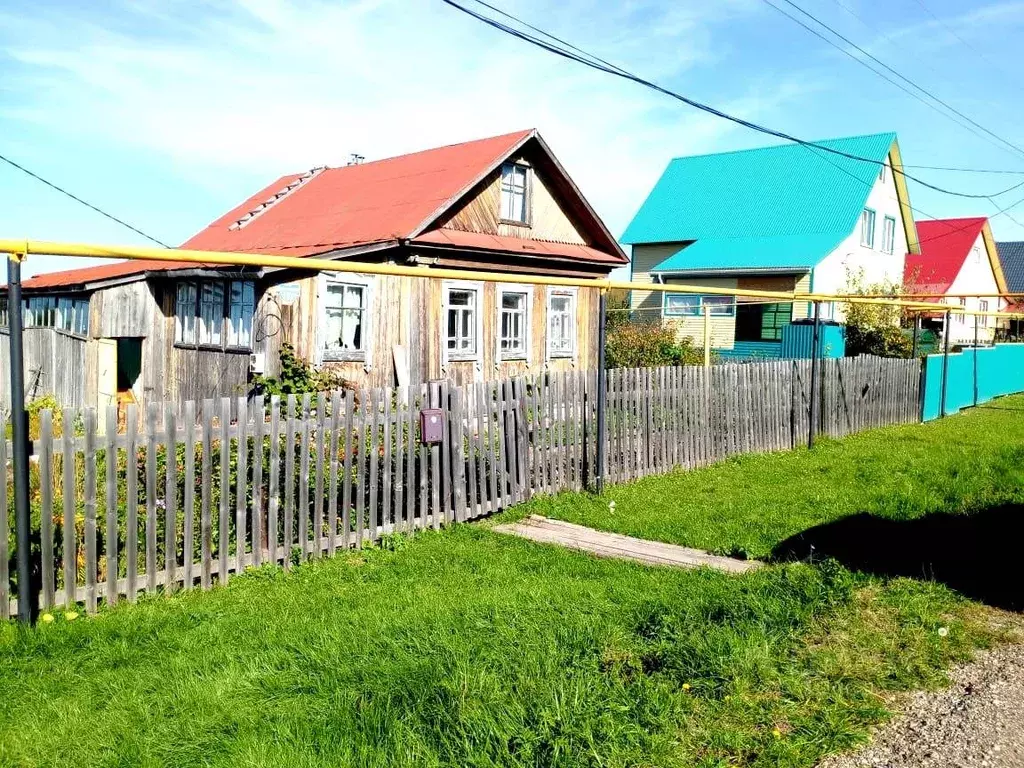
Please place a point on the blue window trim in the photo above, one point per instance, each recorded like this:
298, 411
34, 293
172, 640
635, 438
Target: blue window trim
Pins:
698, 310
874, 222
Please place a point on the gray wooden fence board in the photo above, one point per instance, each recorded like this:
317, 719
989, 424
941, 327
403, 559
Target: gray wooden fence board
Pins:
5, 575
223, 521
287, 532
152, 415
273, 489
170, 499
206, 500
347, 485
189, 502
258, 508
90, 510
46, 504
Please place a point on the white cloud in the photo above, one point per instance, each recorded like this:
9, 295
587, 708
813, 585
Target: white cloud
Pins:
253, 88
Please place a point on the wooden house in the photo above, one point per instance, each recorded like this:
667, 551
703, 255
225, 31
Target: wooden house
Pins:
158, 330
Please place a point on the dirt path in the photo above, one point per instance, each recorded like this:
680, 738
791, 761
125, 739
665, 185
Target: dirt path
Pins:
978, 722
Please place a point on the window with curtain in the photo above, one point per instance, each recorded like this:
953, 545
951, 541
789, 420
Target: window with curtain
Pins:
345, 307
461, 322
185, 314
561, 324
241, 307
512, 321
211, 313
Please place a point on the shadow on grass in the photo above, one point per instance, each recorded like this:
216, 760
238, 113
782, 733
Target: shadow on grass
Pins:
976, 554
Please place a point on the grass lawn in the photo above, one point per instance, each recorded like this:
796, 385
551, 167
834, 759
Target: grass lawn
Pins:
465, 647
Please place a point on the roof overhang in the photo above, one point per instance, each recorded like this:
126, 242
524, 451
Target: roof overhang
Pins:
739, 271
903, 195
993, 258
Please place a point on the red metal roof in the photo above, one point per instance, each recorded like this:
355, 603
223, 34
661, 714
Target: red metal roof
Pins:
945, 245
338, 208
365, 203
482, 241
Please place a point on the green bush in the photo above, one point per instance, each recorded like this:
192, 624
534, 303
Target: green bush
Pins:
298, 377
646, 345
885, 341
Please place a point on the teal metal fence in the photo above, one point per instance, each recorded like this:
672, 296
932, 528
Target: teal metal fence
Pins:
975, 376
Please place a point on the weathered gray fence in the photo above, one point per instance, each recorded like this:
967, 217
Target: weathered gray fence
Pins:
55, 364
178, 498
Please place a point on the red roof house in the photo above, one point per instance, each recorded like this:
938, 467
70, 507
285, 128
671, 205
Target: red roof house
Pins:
958, 265
503, 203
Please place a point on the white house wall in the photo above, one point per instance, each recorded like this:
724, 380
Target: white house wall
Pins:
831, 274
975, 277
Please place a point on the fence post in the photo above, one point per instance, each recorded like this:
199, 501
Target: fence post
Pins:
28, 597
917, 332
602, 394
975, 361
815, 363
945, 363
707, 335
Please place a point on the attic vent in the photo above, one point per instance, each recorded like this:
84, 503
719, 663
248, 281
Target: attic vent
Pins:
278, 196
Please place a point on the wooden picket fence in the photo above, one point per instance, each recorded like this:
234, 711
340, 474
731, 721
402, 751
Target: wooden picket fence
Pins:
176, 498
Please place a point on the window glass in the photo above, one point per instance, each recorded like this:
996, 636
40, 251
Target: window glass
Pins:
681, 304
460, 327
720, 305
867, 228
513, 323
211, 313
240, 311
344, 309
889, 235
513, 192
185, 314
561, 324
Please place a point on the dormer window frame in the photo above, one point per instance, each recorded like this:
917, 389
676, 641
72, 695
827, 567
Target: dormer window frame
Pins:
508, 186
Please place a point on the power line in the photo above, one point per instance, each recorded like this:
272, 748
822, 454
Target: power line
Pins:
957, 35
902, 77
593, 62
77, 199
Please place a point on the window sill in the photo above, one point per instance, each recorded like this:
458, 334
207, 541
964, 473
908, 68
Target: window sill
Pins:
514, 223
213, 348
513, 359
561, 355
344, 357
463, 359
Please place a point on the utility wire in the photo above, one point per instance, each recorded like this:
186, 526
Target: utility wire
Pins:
902, 77
959, 37
590, 61
77, 199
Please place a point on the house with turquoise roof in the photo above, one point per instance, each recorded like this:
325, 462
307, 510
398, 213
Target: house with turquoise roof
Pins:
780, 218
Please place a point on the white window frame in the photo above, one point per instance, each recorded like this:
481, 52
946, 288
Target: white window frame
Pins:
527, 193
889, 234
561, 354
364, 355
983, 307
867, 234
477, 288
499, 354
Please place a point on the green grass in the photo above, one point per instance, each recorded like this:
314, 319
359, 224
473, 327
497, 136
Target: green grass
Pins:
749, 504
466, 647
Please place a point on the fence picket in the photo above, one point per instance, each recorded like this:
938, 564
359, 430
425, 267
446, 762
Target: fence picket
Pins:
188, 541
346, 488
289, 482
435, 463
410, 459
89, 422
401, 395
152, 413
458, 455
171, 499
332, 470
46, 502
361, 483
257, 514
386, 458
273, 489
372, 508
223, 520
302, 503
5, 575
318, 474
205, 502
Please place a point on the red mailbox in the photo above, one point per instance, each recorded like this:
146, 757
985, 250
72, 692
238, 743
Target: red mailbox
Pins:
432, 426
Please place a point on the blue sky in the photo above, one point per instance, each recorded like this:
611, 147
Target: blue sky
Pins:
167, 113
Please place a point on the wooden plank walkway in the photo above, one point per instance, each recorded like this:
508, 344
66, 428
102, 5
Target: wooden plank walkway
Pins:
602, 544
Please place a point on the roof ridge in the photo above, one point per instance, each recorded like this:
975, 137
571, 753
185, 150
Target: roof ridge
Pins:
277, 197
785, 145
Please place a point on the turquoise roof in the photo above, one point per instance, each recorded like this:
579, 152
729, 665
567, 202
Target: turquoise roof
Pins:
785, 253
807, 197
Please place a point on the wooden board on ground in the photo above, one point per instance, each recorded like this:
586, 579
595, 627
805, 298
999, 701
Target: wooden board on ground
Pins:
547, 531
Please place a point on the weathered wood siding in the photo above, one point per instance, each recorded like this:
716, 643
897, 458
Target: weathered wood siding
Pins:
481, 212
407, 312
54, 365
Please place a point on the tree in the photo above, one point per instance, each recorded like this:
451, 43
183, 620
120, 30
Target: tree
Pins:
874, 329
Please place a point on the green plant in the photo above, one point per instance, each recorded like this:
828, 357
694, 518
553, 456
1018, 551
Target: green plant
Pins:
874, 329
297, 377
644, 345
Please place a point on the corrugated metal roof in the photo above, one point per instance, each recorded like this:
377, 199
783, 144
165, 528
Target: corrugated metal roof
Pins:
781, 191
786, 253
945, 244
1012, 257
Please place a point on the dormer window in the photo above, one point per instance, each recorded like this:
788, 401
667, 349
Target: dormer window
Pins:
515, 193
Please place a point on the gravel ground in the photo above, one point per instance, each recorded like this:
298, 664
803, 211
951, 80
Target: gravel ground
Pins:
978, 722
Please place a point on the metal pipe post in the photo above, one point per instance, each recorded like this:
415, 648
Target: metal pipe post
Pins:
917, 333
707, 336
602, 395
812, 428
28, 596
975, 360
945, 363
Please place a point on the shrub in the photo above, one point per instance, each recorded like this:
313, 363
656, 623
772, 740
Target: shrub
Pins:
298, 377
874, 329
644, 345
